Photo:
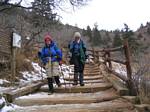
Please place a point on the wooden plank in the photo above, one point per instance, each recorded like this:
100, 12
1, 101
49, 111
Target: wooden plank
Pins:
85, 78
5, 41
117, 74
105, 50
117, 84
91, 73
80, 89
132, 99
117, 105
115, 60
113, 49
92, 68
24, 90
86, 82
143, 108
75, 98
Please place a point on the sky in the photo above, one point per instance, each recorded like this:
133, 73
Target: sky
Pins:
109, 14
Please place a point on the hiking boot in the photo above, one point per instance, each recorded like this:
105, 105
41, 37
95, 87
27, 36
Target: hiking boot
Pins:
57, 80
50, 92
50, 84
75, 79
82, 84
59, 85
75, 83
81, 79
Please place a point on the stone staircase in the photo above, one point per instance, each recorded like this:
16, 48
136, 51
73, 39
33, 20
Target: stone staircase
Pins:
98, 95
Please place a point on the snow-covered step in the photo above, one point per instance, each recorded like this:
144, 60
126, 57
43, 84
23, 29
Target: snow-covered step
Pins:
86, 81
74, 98
96, 77
88, 73
117, 105
88, 88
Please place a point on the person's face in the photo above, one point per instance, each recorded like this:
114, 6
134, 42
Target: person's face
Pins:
77, 38
47, 42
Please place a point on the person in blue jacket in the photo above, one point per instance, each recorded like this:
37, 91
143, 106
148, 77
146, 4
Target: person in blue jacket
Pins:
78, 50
51, 57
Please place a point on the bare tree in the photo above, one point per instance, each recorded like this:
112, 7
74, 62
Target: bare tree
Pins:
141, 76
51, 4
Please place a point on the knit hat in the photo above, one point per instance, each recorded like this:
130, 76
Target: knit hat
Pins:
47, 38
77, 34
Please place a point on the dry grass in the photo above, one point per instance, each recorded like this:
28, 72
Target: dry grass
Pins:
22, 64
141, 73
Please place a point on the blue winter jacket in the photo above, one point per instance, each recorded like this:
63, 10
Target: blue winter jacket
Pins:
51, 51
75, 47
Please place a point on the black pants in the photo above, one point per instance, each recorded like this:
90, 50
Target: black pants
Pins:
50, 82
78, 65
78, 69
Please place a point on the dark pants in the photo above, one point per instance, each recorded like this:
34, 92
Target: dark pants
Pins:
78, 69
50, 82
78, 65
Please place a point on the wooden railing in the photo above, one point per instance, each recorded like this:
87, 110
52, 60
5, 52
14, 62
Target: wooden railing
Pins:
105, 54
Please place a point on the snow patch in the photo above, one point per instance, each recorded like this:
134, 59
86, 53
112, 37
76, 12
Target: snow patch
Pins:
119, 68
6, 107
2, 81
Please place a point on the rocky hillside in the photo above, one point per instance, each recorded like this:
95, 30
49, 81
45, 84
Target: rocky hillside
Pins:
33, 28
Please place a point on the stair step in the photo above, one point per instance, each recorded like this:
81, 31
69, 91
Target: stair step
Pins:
117, 105
88, 88
75, 98
91, 65
85, 78
91, 73
91, 68
86, 82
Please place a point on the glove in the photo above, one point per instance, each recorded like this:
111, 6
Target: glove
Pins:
60, 62
56, 56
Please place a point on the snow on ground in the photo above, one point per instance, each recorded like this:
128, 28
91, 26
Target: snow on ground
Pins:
38, 74
2, 81
5, 106
119, 68
28, 77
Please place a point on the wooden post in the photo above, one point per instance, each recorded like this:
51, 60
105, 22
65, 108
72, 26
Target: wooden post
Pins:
128, 60
109, 62
13, 65
16, 43
105, 62
93, 54
96, 56
128, 67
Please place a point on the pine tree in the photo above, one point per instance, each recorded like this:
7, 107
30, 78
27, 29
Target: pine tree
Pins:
89, 33
44, 8
133, 44
96, 39
117, 39
106, 39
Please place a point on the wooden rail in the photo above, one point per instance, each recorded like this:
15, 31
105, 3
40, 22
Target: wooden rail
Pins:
108, 62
